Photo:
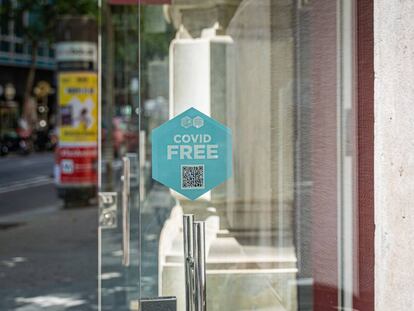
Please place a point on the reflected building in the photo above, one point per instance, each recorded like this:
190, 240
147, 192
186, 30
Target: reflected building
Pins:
16, 57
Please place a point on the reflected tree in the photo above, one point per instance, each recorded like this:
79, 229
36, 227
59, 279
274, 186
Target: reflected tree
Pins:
36, 21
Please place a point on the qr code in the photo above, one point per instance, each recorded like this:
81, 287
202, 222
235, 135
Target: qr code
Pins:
192, 176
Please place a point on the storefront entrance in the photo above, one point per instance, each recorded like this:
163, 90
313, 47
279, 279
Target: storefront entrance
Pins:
281, 234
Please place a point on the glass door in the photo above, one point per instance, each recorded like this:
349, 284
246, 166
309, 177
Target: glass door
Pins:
279, 232
119, 199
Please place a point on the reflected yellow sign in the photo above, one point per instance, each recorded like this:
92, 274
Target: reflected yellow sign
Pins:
78, 104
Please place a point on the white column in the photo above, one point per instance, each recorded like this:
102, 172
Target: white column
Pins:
394, 155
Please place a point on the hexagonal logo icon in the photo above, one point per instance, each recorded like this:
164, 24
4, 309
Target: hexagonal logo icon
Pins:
198, 122
186, 122
191, 153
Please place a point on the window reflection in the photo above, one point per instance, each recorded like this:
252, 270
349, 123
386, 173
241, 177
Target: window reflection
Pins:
278, 74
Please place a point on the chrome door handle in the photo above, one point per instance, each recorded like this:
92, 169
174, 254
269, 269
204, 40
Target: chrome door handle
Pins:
142, 161
188, 231
125, 211
199, 266
195, 264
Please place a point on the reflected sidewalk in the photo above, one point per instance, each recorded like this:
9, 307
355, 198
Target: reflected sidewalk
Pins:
48, 260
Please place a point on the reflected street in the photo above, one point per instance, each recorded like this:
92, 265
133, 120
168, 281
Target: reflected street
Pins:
24, 180
48, 258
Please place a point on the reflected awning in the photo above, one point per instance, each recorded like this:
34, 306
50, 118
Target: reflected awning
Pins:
131, 2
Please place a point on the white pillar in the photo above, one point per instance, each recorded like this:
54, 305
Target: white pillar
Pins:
394, 155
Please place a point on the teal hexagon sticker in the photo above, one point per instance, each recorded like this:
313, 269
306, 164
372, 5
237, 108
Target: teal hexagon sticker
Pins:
191, 153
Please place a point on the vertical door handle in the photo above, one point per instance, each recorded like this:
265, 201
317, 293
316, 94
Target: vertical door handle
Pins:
200, 265
125, 211
195, 264
142, 161
188, 231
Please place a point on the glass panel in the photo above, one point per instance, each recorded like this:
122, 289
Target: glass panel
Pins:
4, 19
4, 46
119, 226
18, 26
19, 48
41, 51
156, 35
279, 74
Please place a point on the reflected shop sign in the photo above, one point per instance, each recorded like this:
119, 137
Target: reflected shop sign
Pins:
76, 51
78, 130
191, 153
78, 103
76, 165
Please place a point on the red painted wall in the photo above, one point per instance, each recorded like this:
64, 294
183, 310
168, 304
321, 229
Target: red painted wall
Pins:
364, 295
324, 154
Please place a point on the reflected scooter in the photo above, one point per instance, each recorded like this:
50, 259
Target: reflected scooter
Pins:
4, 149
25, 137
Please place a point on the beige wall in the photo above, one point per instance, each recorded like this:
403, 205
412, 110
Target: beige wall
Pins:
394, 154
